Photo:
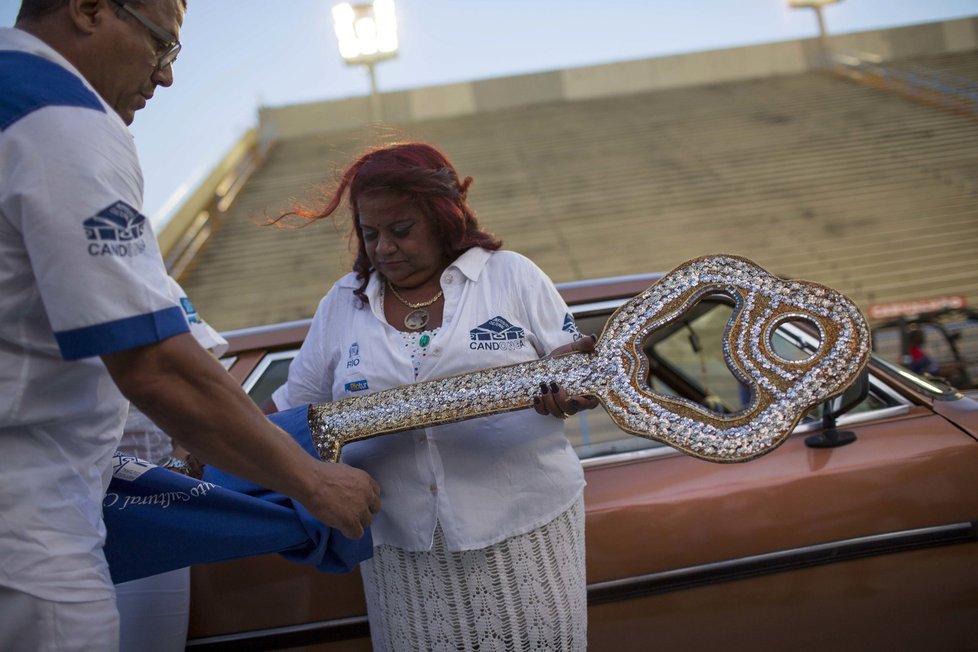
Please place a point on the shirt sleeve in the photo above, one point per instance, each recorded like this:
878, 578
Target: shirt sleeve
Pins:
73, 192
205, 335
551, 322
311, 373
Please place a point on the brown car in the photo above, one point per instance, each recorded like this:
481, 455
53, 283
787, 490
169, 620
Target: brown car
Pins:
860, 532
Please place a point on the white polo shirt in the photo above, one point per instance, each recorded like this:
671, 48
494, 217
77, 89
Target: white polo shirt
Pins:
80, 276
140, 436
484, 479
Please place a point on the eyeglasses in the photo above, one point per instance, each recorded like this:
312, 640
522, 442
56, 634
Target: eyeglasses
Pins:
168, 47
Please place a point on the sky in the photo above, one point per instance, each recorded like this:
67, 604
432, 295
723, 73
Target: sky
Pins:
239, 55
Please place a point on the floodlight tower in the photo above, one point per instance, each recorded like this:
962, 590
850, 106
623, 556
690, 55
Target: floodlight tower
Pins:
823, 37
366, 33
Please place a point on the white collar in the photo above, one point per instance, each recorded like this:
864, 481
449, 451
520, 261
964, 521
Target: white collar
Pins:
470, 264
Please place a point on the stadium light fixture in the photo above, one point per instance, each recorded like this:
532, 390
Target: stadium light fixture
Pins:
816, 5
366, 33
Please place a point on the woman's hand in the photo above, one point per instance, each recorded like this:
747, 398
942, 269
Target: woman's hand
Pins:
553, 399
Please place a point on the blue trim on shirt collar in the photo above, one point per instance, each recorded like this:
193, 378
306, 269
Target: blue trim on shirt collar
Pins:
121, 334
30, 82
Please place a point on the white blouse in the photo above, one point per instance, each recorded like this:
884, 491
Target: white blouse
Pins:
484, 479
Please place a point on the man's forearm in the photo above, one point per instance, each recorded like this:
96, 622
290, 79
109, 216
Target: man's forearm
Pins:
188, 394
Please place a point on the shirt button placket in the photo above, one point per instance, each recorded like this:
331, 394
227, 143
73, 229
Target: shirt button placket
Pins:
448, 279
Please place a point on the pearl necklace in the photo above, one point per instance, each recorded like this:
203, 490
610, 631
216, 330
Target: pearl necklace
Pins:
419, 317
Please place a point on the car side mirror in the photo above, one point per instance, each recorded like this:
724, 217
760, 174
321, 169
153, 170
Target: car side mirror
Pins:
832, 409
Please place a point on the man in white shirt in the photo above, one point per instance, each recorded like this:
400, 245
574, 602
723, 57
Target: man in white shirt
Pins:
87, 321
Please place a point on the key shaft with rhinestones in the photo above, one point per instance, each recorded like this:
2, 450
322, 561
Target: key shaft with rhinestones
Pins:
617, 372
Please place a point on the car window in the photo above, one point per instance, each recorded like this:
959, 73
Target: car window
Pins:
269, 375
941, 337
888, 345
686, 359
694, 353
938, 346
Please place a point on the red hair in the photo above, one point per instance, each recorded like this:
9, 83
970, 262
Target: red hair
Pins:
422, 175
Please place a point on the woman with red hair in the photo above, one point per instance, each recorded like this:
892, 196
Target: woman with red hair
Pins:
480, 543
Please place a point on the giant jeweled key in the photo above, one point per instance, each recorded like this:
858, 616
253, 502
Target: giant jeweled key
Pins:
617, 371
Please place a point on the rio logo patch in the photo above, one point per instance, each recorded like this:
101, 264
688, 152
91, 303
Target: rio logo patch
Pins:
353, 358
116, 231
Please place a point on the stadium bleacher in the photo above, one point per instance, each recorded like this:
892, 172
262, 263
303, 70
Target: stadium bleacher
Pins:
812, 175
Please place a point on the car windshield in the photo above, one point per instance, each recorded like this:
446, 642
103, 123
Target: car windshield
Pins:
949, 341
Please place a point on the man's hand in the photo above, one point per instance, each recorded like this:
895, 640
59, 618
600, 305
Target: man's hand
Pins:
178, 385
342, 497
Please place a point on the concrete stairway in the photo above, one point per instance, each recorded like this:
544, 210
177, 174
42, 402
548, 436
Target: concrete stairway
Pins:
812, 176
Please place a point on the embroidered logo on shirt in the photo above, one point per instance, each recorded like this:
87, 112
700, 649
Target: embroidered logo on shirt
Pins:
356, 386
189, 310
570, 326
497, 334
353, 357
116, 231
127, 467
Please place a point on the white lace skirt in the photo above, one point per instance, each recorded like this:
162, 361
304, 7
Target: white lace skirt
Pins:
525, 593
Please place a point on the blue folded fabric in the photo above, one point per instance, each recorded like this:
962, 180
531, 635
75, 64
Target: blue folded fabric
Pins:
158, 520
